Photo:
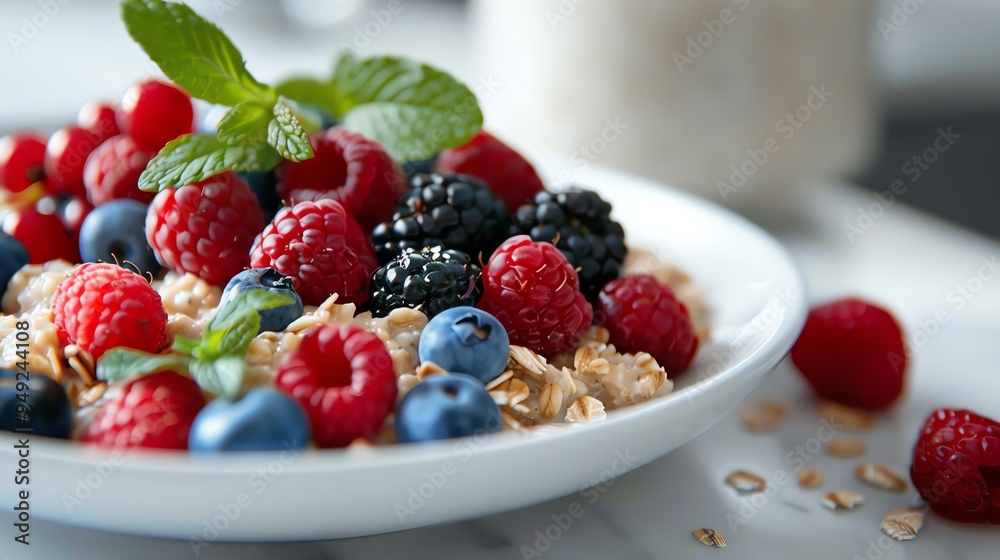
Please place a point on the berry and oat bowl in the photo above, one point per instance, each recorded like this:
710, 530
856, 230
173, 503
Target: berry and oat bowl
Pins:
320, 263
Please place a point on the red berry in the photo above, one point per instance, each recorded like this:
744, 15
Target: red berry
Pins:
100, 306
321, 248
72, 212
153, 411
99, 118
852, 352
205, 228
349, 168
534, 292
65, 156
643, 315
21, 161
956, 466
343, 377
154, 113
112, 171
508, 174
42, 234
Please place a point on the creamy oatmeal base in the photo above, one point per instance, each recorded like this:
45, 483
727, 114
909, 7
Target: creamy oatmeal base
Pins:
576, 387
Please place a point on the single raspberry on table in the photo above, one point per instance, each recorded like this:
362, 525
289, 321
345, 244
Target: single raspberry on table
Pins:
852, 352
153, 113
531, 288
112, 171
956, 466
505, 171
322, 250
206, 228
100, 306
343, 377
643, 315
349, 168
153, 411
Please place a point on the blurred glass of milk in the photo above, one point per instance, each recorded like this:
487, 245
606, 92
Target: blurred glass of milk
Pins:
745, 102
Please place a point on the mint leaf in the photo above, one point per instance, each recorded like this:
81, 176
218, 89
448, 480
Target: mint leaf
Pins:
245, 123
412, 109
195, 157
286, 134
192, 52
184, 345
236, 324
222, 376
122, 363
309, 91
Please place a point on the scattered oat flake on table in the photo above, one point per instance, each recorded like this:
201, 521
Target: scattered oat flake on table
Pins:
710, 537
846, 448
746, 481
809, 478
843, 499
903, 524
849, 418
764, 416
881, 476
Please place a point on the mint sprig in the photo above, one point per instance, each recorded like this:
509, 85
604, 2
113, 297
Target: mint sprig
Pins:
196, 157
215, 361
193, 52
246, 123
286, 134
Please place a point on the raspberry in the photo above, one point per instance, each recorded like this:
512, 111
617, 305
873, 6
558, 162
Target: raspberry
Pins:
578, 222
535, 293
453, 211
643, 315
852, 352
343, 377
956, 466
100, 119
349, 168
112, 171
154, 113
154, 411
205, 228
65, 156
321, 248
42, 234
21, 161
101, 306
508, 174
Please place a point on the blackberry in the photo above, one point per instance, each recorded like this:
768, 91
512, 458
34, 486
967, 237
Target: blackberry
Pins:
579, 223
432, 279
454, 211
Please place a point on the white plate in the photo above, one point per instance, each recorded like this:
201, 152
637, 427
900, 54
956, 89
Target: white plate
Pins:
756, 296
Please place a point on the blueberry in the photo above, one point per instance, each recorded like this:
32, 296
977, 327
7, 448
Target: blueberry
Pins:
260, 420
276, 319
466, 340
13, 256
446, 406
48, 413
263, 185
116, 232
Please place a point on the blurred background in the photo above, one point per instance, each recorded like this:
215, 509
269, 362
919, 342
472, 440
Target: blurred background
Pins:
752, 103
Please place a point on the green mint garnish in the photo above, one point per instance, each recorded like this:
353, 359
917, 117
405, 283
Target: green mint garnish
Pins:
196, 157
192, 52
309, 91
121, 363
413, 110
222, 376
246, 123
286, 134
